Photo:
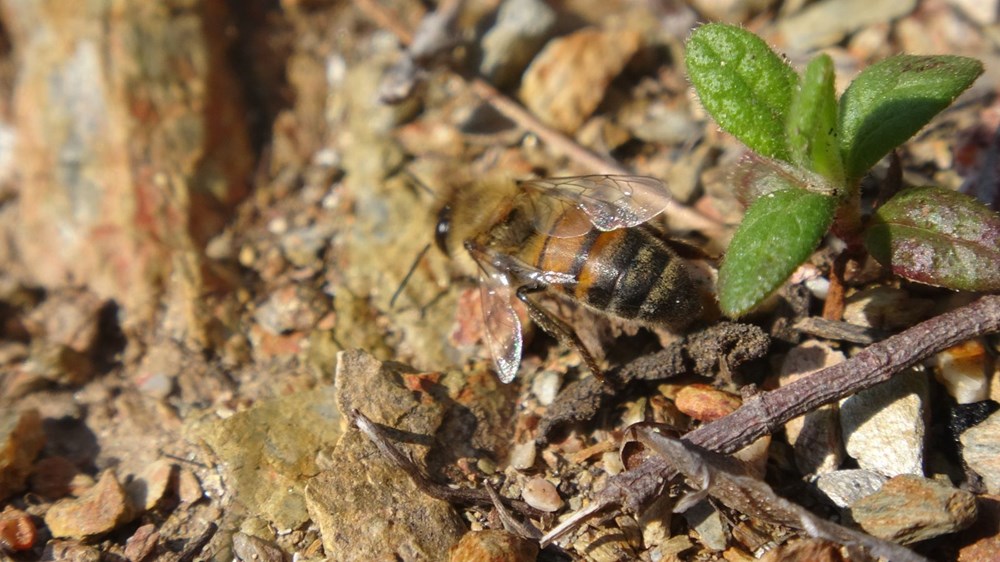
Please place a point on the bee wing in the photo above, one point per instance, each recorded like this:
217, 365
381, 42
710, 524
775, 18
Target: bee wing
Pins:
607, 202
503, 327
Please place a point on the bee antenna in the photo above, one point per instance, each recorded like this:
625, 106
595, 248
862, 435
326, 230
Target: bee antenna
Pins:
420, 184
406, 278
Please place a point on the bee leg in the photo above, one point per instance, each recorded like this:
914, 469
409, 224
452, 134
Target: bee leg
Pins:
556, 327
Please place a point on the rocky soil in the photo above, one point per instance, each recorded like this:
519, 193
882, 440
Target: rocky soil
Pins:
222, 336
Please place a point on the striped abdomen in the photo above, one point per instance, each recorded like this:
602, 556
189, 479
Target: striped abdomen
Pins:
629, 272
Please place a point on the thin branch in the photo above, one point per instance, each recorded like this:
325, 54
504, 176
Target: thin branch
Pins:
875, 364
634, 489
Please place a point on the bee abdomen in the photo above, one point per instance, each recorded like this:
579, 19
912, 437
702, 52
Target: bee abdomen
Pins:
632, 274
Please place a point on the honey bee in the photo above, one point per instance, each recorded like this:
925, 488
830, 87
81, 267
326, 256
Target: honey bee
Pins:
584, 238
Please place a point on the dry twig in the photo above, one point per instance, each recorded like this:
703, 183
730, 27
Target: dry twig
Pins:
635, 489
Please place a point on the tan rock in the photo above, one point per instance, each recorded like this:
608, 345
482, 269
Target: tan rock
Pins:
189, 490
962, 369
269, 451
152, 485
911, 508
98, 511
59, 550
124, 156
383, 515
705, 403
142, 543
492, 545
568, 79
21, 438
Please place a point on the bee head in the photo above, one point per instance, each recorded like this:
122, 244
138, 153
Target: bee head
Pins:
443, 229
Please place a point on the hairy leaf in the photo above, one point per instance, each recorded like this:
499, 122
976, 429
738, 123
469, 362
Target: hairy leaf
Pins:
893, 99
779, 231
812, 122
939, 237
743, 84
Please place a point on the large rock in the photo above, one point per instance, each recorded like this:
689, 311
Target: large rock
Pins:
132, 145
382, 515
268, 452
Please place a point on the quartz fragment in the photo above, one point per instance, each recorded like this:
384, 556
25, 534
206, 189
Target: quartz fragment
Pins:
884, 426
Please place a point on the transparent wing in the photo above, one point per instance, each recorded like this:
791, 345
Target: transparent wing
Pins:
567, 207
503, 327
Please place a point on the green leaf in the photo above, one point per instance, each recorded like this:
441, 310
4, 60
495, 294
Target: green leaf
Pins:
779, 232
893, 99
743, 84
812, 122
939, 237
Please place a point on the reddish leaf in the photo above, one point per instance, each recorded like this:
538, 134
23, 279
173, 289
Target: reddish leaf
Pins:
939, 237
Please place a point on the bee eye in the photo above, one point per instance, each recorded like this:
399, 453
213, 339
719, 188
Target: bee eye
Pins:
443, 228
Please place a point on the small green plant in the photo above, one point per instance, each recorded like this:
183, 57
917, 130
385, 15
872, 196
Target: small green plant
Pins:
812, 150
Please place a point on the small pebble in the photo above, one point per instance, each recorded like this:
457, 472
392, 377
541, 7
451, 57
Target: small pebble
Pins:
981, 540
493, 545
823, 24
249, 547
98, 511
884, 426
844, 487
70, 550
542, 495
910, 509
981, 451
70, 318
142, 543
546, 387
885, 308
707, 522
805, 550
522, 456
520, 31
149, 488
21, 438
962, 370
567, 81
705, 403
983, 12
17, 530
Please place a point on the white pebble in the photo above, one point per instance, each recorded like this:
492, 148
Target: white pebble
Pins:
542, 495
962, 371
522, 457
